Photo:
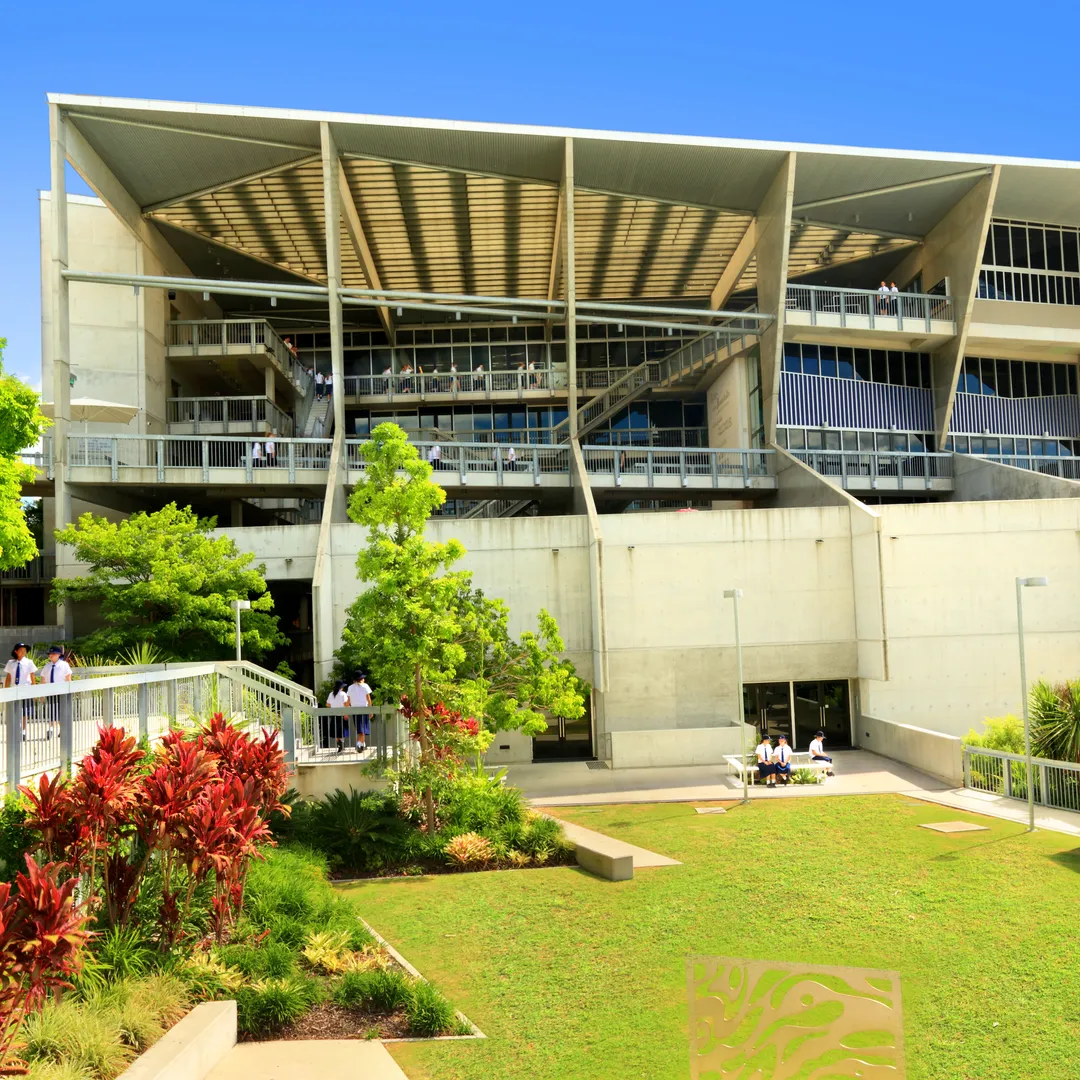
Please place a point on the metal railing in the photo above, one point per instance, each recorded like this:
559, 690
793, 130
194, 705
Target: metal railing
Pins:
1054, 783
1068, 468
36, 571
229, 413
417, 385
167, 453
483, 461
40, 458
1029, 286
387, 740
223, 336
869, 309
663, 465
863, 468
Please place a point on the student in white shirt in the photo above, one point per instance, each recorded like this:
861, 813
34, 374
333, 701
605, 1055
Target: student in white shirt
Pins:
435, 457
336, 726
782, 760
329, 385
764, 761
20, 669
511, 459
256, 454
532, 375
453, 377
817, 751
883, 298
360, 697
56, 670
320, 380
270, 450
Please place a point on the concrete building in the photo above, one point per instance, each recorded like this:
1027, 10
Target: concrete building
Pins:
857, 367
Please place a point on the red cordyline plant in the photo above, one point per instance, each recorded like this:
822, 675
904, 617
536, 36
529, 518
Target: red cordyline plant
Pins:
196, 805
41, 938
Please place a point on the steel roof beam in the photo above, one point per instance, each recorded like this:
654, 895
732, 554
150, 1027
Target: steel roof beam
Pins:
358, 237
225, 185
911, 185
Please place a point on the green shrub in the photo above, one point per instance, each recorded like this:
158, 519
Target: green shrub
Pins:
15, 839
270, 1004
86, 1039
541, 835
805, 776
428, 1011
51, 1070
361, 829
267, 960
999, 733
118, 954
1055, 720
476, 802
381, 991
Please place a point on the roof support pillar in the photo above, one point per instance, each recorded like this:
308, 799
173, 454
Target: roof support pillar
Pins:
570, 282
953, 250
332, 217
60, 338
773, 234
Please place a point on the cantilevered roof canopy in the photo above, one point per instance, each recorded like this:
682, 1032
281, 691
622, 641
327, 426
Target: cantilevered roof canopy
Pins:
475, 208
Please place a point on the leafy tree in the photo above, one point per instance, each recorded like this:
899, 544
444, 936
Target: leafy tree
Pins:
422, 630
21, 425
162, 578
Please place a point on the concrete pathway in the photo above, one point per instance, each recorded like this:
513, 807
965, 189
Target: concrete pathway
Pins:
309, 1059
571, 783
983, 802
578, 834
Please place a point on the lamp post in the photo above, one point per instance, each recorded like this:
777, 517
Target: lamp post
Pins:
1021, 584
734, 595
238, 606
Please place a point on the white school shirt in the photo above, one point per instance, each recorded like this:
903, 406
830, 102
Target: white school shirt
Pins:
319, 378
338, 700
883, 291
360, 694
764, 751
782, 754
56, 671
817, 747
510, 455
435, 453
24, 668
329, 380
256, 451
894, 291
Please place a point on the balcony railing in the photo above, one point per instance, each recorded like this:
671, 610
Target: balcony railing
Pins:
40, 458
867, 309
1029, 286
183, 457
416, 386
36, 571
1067, 468
864, 469
659, 466
221, 337
1054, 783
545, 436
220, 415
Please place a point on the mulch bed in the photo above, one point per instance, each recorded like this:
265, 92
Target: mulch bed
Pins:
330, 1021
418, 869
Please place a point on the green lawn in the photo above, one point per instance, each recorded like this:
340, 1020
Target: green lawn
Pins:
573, 978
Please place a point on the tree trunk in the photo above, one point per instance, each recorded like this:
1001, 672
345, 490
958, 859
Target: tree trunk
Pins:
425, 748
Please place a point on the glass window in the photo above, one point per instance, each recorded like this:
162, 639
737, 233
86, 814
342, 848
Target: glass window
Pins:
1036, 248
988, 250
866, 441
924, 367
828, 360
1072, 378
1002, 256
844, 366
1017, 371
896, 368
1061, 379
498, 333
988, 377
862, 364
694, 414
1008, 447
792, 363
810, 360
912, 375
1053, 249
1019, 246
1070, 250
782, 437
1046, 379
1001, 380
880, 366
851, 440
797, 438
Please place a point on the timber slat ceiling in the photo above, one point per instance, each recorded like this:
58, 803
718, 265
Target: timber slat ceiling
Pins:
814, 247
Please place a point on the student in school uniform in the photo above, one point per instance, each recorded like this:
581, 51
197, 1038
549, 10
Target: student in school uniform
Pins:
511, 460
782, 760
270, 451
56, 670
817, 751
320, 380
337, 726
360, 697
20, 671
764, 761
256, 454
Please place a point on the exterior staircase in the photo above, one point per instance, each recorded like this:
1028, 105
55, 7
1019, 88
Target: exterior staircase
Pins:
493, 508
318, 419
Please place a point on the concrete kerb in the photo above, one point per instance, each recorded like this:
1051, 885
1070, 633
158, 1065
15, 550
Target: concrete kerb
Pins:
192, 1048
398, 958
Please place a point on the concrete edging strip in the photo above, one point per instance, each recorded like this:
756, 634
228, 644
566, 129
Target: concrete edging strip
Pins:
192, 1048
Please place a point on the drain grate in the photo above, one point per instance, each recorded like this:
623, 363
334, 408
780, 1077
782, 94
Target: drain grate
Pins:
596, 764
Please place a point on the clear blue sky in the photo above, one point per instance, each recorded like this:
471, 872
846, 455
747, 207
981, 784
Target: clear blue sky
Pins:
981, 77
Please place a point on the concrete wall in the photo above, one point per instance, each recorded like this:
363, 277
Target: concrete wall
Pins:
728, 406
929, 751
949, 573
687, 746
977, 480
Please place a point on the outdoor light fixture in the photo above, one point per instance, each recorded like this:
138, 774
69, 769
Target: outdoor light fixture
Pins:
1021, 584
72, 379
735, 595
620, 328
238, 606
206, 296
554, 551
399, 313
273, 301
172, 294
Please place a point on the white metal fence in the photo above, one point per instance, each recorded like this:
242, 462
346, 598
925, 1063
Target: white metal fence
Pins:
223, 414
858, 468
420, 385
1054, 783
1068, 468
867, 308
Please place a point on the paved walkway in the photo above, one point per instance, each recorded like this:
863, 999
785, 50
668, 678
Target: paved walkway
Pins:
309, 1059
571, 783
982, 802
578, 834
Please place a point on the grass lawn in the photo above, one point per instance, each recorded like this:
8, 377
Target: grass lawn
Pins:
573, 978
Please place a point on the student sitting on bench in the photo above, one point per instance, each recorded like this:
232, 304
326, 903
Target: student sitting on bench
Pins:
764, 761
782, 760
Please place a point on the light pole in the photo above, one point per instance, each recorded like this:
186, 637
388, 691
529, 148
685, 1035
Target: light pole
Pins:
238, 606
1021, 584
734, 595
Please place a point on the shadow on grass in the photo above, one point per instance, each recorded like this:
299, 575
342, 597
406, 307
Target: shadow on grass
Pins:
1069, 859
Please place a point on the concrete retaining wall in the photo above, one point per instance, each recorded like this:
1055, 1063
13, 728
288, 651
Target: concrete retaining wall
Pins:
673, 746
192, 1049
319, 780
928, 751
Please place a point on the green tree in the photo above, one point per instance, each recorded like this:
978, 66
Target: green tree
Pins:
162, 578
21, 425
422, 630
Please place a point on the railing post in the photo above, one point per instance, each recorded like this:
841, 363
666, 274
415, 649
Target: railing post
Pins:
114, 458
13, 719
536, 466
745, 468
144, 710
107, 707
1006, 776
249, 460
875, 469
714, 459
843, 308
813, 308
292, 461
160, 451
1042, 793
497, 451
843, 470
461, 464
288, 734
205, 451
616, 456
65, 709
682, 468
173, 707
649, 466
965, 756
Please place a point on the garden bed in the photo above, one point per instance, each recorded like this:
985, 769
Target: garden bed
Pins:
431, 866
329, 1021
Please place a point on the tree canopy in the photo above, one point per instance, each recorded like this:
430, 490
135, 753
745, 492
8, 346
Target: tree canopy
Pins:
162, 578
420, 627
21, 425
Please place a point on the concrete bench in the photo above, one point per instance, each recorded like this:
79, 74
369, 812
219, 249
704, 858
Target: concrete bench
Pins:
605, 858
799, 760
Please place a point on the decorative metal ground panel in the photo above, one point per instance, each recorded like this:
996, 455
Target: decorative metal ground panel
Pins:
766, 1020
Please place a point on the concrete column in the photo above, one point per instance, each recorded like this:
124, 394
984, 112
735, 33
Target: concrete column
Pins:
271, 382
332, 213
570, 279
773, 238
953, 249
60, 343
236, 514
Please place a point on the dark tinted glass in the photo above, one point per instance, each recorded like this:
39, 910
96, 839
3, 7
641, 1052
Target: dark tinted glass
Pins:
1019, 245
1002, 257
1018, 381
911, 369
1036, 248
862, 364
1053, 249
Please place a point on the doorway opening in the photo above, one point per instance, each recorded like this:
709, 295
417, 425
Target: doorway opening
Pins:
566, 740
799, 710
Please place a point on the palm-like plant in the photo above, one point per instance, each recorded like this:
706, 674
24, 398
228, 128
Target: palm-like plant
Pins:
1055, 720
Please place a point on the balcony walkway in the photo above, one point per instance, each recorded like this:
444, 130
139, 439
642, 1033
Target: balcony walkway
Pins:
916, 321
862, 472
